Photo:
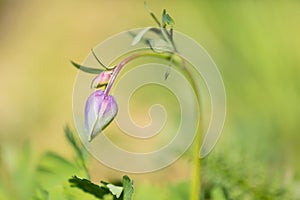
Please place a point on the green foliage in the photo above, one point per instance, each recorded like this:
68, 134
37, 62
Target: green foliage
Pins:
53, 170
176, 191
106, 189
223, 180
17, 172
21, 178
89, 187
167, 19
115, 190
81, 155
128, 188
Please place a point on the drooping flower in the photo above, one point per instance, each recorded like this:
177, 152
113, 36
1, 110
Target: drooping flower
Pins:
100, 110
101, 79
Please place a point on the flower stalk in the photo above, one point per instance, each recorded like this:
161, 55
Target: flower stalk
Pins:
101, 107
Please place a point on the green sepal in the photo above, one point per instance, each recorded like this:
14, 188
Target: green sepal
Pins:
87, 69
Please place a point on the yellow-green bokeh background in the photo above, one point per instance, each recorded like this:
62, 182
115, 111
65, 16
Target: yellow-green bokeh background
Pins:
255, 44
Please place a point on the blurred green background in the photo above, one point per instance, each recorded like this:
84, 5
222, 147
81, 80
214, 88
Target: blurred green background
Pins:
255, 44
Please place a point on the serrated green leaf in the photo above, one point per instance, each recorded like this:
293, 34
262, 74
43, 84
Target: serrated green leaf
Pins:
89, 187
115, 190
167, 19
87, 69
139, 36
128, 188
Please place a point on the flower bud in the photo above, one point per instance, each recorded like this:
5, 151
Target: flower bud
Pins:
100, 110
101, 79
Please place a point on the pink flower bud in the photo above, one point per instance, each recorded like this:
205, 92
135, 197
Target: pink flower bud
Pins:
100, 110
101, 79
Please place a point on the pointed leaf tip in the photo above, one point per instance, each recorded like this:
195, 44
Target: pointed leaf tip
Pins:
115, 190
139, 36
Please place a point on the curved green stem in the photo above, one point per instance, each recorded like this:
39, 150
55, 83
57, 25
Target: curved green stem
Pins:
195, 188
196, 180
128, 59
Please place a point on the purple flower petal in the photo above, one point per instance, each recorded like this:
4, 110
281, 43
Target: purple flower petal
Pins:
100, 110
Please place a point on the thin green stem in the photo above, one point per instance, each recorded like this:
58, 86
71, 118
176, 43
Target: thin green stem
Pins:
125, 61
195, 189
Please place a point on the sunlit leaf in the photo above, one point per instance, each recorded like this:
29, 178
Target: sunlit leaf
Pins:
74, 193
128, 188
89, 187
115, 190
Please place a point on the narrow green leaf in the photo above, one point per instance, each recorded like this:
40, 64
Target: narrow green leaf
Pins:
160, 46
80, 152
98, 60
128, 188
151, 13
89, 187
115, 190
70, 136
139, 36
87, 69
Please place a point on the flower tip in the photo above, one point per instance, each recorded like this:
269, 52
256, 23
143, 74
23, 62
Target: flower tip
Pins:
93, 134
90, 138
